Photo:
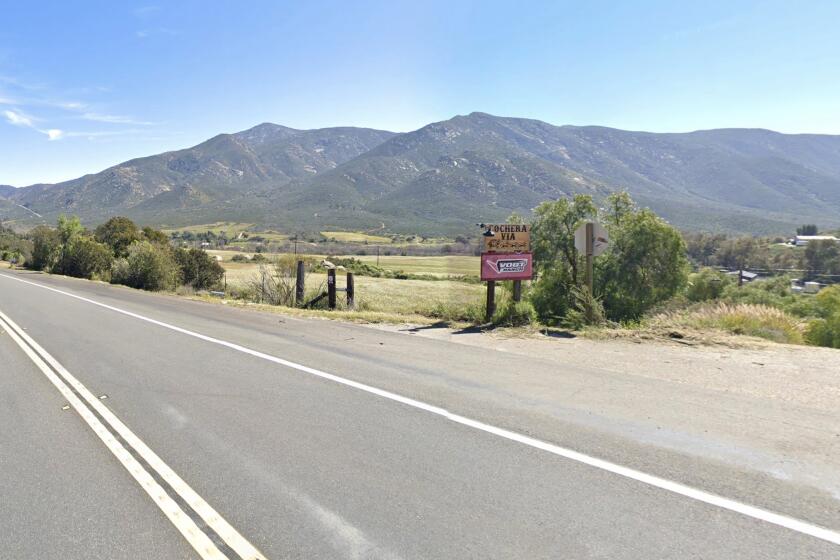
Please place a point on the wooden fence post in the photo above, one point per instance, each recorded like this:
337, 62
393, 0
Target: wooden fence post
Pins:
351, 294
331, 288
299, 287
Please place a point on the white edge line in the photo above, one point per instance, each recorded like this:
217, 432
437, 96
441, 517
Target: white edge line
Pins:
231, 536
185, 525
675, 487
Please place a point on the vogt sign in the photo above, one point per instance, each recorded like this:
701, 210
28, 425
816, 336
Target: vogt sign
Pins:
506, 266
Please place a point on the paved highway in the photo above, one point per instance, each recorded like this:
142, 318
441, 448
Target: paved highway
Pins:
144, 426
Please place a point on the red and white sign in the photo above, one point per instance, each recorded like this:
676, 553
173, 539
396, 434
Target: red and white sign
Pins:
506, 266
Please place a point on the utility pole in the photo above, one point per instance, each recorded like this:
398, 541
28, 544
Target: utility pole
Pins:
590, 238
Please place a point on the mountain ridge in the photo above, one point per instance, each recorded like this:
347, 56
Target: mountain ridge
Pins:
446, 175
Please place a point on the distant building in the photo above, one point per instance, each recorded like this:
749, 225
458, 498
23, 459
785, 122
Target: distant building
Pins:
746, 275
798, 286
802, 240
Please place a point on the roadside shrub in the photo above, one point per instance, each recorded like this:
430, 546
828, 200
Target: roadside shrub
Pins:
275, 283
239, 257
198, 269
120, 271
742, 319
46, 248
150, 267
645, 263
707, 284
586, 310
15, 246
453, 312
825, 331
551, 296
828, 301
515, 314
118, 233
84, 257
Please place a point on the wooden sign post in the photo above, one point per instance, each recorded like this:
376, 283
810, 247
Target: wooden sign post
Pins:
506, 255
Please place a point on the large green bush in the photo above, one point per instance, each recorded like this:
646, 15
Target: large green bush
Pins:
84, 257
46, 248
148, 266
706, 284
558, 265
118, 233
825, 330
14, 246
645, 263
198, 269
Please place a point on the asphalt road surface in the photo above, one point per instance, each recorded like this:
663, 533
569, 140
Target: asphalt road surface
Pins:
137, 425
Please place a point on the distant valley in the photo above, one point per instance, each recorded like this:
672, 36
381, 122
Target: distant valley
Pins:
446, 176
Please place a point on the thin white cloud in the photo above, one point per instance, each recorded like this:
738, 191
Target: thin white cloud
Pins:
102, 133
18, 118
71, 105
113, 119
146, 33
56, 110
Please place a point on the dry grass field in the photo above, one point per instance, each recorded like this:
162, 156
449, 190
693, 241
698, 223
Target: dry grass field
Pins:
430, 298
450, 265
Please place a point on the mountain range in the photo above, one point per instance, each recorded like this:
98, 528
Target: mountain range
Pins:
449, 175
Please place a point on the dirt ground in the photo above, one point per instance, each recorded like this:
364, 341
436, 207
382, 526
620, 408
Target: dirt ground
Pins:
803, 375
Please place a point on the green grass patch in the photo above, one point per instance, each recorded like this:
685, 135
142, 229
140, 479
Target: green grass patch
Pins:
355, 237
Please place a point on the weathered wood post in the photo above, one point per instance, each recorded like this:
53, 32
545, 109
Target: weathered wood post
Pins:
491, 299
517, 290
299, 287
351, 294
331, 288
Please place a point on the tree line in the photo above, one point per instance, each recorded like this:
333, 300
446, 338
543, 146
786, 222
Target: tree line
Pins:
820, 259
120, 252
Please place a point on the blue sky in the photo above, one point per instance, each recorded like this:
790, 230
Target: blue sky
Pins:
85, 85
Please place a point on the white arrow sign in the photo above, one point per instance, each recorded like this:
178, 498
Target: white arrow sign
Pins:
600, 239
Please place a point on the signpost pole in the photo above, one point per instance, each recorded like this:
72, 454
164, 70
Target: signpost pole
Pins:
491, 299
517, 290
590, 241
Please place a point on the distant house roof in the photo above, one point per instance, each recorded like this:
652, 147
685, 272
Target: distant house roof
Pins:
746, 274
804, 239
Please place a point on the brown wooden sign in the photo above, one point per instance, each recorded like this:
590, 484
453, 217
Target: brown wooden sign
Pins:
508, 238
